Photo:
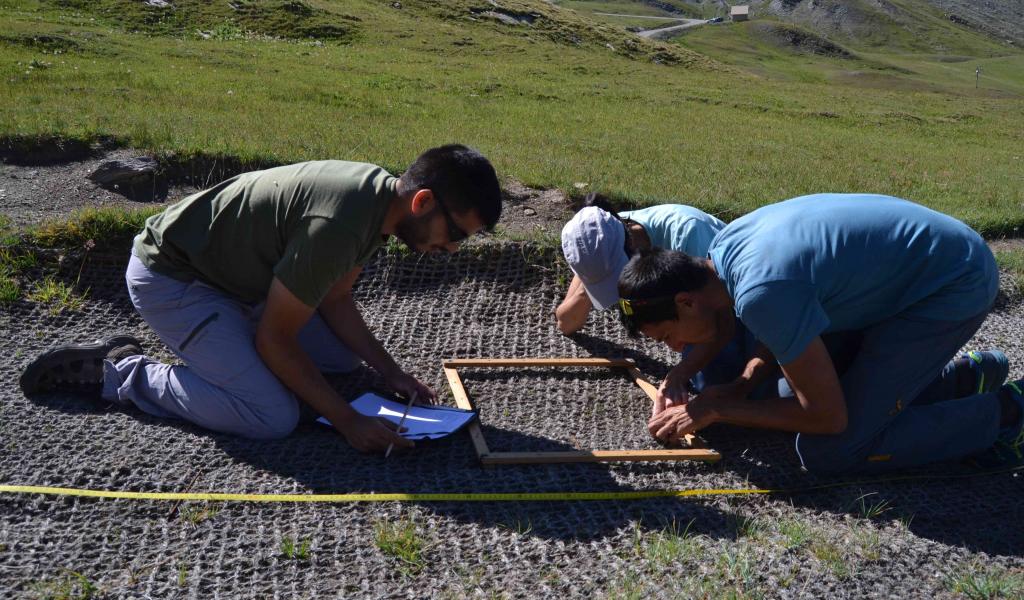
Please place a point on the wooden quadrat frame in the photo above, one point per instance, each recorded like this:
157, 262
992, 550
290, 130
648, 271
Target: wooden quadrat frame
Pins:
696, 450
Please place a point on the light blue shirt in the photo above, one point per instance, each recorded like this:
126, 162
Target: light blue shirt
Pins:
841, 262
677, 227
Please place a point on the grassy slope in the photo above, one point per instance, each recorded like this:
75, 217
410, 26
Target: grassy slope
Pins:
549, 103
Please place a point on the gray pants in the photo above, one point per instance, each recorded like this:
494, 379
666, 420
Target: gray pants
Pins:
224, 384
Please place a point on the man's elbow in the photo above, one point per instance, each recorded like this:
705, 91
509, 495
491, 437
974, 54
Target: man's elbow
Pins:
268, 341
262, 341
566, 322
834, 423
567, 326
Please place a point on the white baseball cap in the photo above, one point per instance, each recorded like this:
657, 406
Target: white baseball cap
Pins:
593, 242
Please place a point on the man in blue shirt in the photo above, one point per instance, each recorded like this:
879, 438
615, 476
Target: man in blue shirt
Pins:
862, 300
597, 243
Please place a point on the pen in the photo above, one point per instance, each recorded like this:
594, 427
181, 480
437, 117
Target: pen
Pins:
412, 398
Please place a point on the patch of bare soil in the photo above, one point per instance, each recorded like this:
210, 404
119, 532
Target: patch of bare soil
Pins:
37, 193
534, 213
799, 40
1002, 19
32, 194
1006, 244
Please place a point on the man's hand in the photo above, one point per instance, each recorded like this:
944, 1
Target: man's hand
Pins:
673, 390
408, 386
371, 434
671, 424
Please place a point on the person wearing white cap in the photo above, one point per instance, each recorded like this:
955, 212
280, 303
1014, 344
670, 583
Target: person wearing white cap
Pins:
597, 244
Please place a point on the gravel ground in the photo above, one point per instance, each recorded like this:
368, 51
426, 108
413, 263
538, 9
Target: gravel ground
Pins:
915, 537
872, 538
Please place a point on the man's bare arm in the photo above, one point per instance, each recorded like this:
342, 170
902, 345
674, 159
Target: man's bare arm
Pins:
342, 315
278, 345
818, 407
571, 314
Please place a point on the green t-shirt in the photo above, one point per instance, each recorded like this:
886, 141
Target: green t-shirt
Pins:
308, 224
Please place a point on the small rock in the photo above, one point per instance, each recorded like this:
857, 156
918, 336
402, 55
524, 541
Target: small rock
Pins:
125, 171
529, 211
580, 185
396, 5
158, 3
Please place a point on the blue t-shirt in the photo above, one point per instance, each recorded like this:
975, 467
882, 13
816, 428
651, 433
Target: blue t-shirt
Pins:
841, 262
677, 227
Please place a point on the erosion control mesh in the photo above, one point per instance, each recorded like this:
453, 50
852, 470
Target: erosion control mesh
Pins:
490, 301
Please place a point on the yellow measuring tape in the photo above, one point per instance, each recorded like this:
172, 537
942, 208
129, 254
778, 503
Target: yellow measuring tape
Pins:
475, 497
479, 497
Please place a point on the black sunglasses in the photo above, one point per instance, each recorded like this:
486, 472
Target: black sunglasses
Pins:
455, 233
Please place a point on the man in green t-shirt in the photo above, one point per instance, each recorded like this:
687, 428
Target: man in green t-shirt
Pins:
250, 284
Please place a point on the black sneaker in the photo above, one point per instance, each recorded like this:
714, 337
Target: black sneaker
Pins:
76, 367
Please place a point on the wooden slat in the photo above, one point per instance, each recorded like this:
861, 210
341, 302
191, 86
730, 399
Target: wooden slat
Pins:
638, 378
537, 362
519, 458
462, 401
697, 450
652, 391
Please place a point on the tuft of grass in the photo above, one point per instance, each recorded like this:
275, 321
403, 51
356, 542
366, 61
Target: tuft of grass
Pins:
669, 545
194, 515
14, 260
627, 587
182, 574
70, 586
402, 541
57, 295
737, 569
99, 228
832, 556
869, 509
518, 526
795, 533
8, 236
1012, 261
539, 237
396, 247
978, 582
748, 527
869, 543
295, 551
10, 291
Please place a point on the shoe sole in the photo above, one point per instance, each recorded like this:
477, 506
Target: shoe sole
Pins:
30, 377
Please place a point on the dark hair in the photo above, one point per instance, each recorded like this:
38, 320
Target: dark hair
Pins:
461, 178
602, 202
649, 283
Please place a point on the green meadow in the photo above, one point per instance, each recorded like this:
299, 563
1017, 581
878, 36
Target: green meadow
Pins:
721, 119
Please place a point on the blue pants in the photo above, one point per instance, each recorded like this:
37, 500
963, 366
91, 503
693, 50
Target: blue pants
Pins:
900, 390
730, 363
224, 384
